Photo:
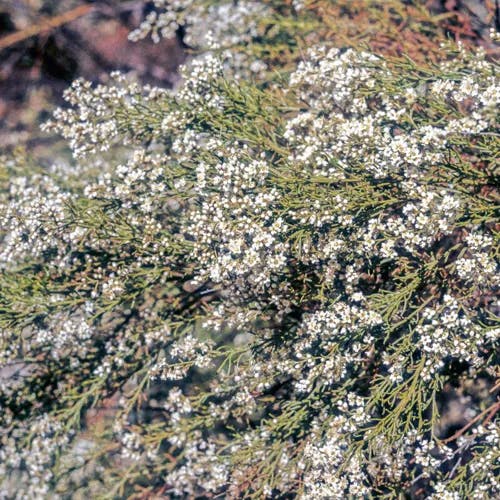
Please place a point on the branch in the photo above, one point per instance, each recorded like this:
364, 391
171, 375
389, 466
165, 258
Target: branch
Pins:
44, 25
491, 410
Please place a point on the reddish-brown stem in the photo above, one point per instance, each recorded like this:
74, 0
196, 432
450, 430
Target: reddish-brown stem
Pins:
491, 410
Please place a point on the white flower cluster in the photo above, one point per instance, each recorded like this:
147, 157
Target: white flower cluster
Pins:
447, 333
33, 460
198, 88
328, 472
340, 123
92, 125
65, 336
477, 265
330, 342
181, 356
202, 469
32, 219
219, 26
238, 239
229, 23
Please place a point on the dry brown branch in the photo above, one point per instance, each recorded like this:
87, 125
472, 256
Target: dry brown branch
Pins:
44, 25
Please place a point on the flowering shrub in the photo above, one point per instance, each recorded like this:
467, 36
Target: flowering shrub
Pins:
272, 293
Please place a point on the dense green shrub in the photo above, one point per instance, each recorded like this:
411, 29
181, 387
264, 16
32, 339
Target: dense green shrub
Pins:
274, 291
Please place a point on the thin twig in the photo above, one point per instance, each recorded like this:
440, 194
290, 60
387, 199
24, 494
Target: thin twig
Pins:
491, 410
495, 387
